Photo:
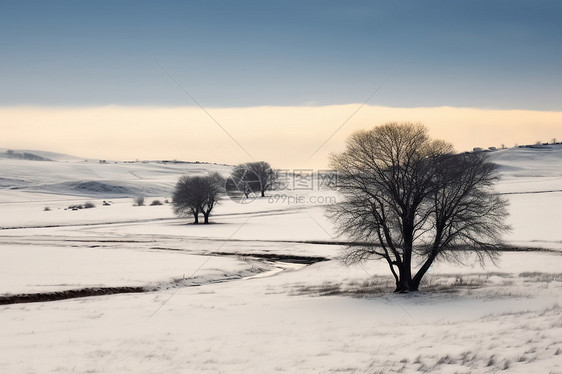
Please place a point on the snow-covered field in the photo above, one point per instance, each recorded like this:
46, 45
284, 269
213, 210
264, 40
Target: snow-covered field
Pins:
206, 311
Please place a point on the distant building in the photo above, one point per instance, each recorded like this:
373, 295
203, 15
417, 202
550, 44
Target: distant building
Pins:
477, 149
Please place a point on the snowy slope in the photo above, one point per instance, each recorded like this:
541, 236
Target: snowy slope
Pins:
44, 154
526, 169
536, 161
531, 179
98, 180
501, 318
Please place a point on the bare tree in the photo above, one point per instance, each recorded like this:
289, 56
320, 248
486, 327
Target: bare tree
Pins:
252, 177
214, 187
185, 199
409, 199
196, 194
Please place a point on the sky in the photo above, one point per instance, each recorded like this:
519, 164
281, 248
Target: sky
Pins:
255, 78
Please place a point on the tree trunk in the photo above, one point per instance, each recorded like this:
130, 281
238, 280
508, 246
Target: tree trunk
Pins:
403, 283
206, 215
391, 265
196, 217
262, 193
422, 271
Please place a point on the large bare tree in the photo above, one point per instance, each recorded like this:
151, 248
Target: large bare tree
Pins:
410, 200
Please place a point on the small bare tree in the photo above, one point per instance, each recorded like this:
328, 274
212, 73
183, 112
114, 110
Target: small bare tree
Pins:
252, 177
184, 199
409, 199
196, 194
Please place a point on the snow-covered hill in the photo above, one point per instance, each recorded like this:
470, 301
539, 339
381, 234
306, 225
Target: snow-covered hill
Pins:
529, 169
68, 175
535, 161
45, 155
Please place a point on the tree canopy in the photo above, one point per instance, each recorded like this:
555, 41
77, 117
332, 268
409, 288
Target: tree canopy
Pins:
197, 194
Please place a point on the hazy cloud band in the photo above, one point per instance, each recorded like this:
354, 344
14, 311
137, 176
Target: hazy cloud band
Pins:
284, 136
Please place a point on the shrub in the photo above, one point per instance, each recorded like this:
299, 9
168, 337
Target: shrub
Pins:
156, 202
46, 209
89, 204
139, 201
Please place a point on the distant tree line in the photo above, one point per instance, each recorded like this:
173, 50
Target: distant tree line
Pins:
24, 156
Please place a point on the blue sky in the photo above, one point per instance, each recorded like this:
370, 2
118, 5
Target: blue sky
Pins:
481, 54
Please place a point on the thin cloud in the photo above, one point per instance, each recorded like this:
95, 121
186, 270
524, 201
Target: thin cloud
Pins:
284, 136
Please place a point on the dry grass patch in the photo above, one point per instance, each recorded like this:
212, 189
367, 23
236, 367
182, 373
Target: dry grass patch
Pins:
433, 284
542, 277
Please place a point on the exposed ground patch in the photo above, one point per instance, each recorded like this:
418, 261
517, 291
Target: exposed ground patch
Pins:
67, 294
277, 257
